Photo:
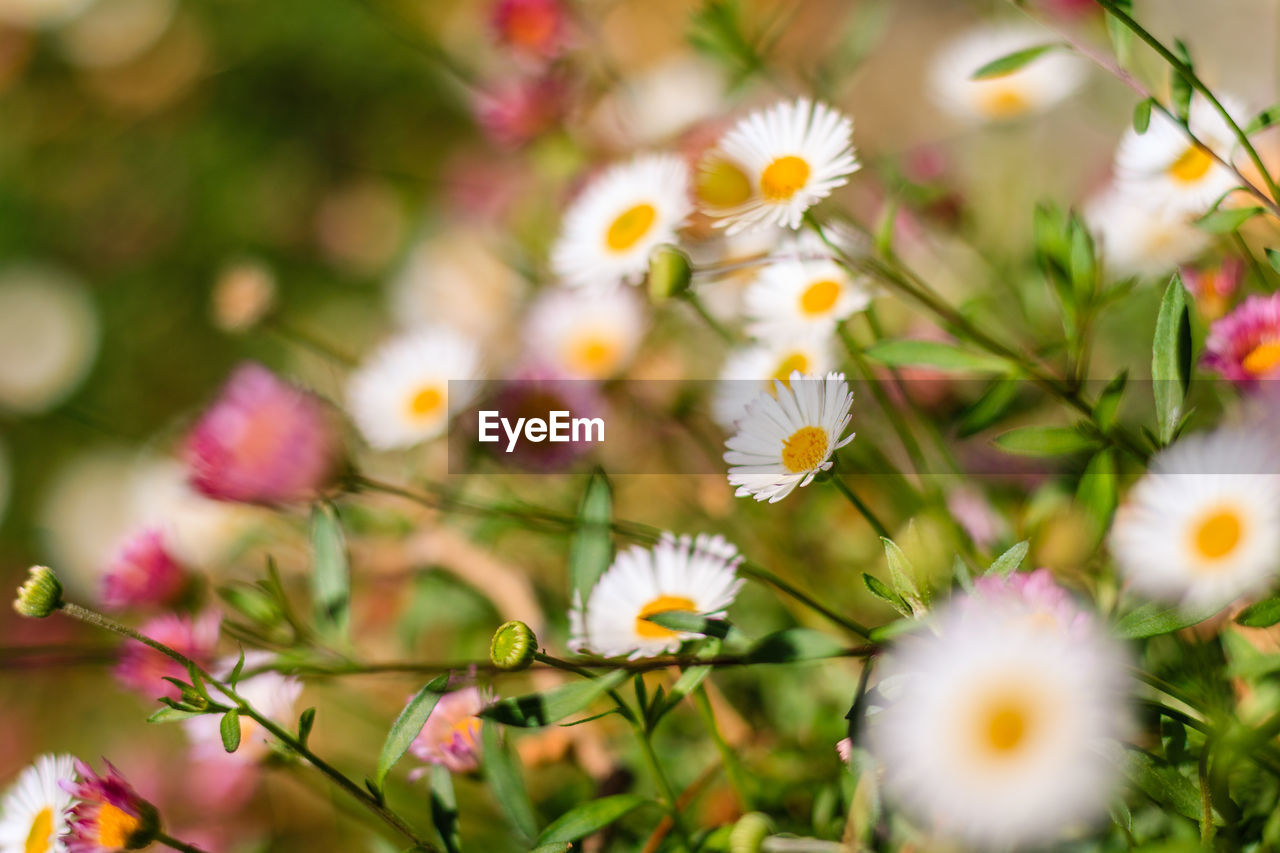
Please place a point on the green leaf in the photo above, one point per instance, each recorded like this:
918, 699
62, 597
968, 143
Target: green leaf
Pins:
906, 352
1261, 614
1273, 258
305, 722
902, 574
1165, 785
173, 715
1097, 490
883, 239
794, 644
1044, 441
592, 547
540, 709
1152, 619
1171, 358
1180, 89
1263, 120
230, 728
691, 623
1121, 36
407, 726
1008, 562
502, 773
1226, 221
882, 591
331, 573
1012, 62
444, 808
588, 818
991, 406
1104, 411
1084, 263
1142, 115
234, 678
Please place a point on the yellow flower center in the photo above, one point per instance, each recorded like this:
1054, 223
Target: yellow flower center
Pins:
805, 449
1218, 534
426, 402
1263, 358
1191, 166
661, 604
115, 827
594, 355
1002, 101
41, 832
722, 184
630, 227
783, 178
1004, 727
469, 730
793, 362
819, 297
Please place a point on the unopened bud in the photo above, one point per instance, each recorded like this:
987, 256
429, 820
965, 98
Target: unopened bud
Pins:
40, 595
669, 273
513, 646
749, 833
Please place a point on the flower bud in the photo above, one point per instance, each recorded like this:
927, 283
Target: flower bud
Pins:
513, 646
669, 273
40, 595
749, 833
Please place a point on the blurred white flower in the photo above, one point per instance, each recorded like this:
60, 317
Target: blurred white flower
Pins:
1136, 240
803, 292
789, 435
775, 164
1202, 527
686, 574
200, 531
83, 520
753, 369
1163, 169
657, 103
114, 32
585, 334
996, 724
48, 337
621, 216
400, 397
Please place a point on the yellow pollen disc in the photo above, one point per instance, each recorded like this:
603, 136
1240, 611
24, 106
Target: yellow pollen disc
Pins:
819, 297
115, 827
1004, 727
468, 728
630, 227
1191, 166
661, 604
1218, 534
1263, 358
41, 832
426, 402
722, 184
783, 178
594, 356
1003, 102
796, 361
805, 449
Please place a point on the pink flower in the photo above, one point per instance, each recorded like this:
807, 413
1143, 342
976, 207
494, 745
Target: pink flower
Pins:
537, 29
1072, 8
143, 574
143, 669
451, 735
1036, 594
110, 815
974, 513
1213, 288
264, 441
520, 109
1244, 346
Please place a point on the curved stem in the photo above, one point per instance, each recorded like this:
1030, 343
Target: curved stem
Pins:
170, 841
876, 525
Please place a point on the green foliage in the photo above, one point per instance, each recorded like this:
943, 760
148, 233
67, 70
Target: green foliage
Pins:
407, 726
1171, 358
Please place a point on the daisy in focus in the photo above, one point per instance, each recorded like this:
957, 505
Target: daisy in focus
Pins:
1244, 346
788, 436
109, 815
753, 369
1135, 240
34, 811
804, 292
622, 215
1033, 88
399, 396
451, 735
687, 574
1164, 168
585, 334
995, 723
1202, 527
773, 165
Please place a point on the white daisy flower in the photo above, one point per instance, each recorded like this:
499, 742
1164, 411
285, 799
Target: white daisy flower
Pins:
271, 694
996, 724
609, 231
585, 334
400, 396
1203, 526
33, 813
753, 369
803, 292
1141, 241
1163, 168
48, 337
1030, 89
775, 164
696, 575
789, 435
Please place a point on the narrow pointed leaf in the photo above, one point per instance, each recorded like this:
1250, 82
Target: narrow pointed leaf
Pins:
407, 726
1226, 221
540, 709
1044, 441
592, 547
1171, 358
331, 572
905, 352
589, 818
1008, 562
1012, 62
1262, 614
1152, 619
503, 774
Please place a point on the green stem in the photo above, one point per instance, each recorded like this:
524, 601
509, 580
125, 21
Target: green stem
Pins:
170, 841
732, 766
667, 791
309, 341
892, 412
876, 525
716, 326
370, 802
